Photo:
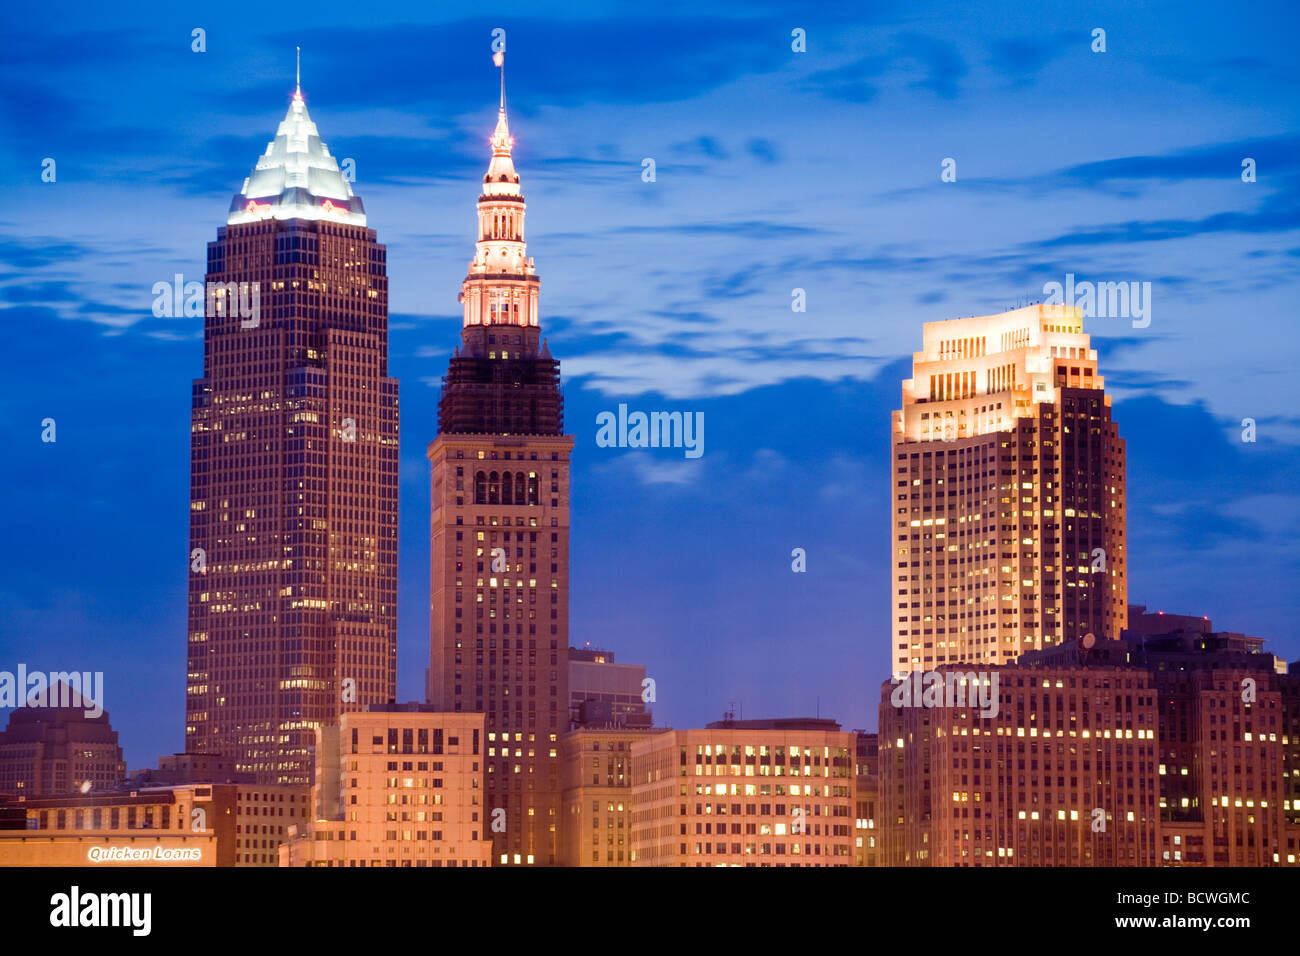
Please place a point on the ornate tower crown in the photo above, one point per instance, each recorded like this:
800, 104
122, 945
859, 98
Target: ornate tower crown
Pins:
501, 285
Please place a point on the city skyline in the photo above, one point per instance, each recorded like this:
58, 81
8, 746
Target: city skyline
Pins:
715, 588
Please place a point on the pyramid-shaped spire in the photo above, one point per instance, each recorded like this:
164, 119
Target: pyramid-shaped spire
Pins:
501, 178
297, 178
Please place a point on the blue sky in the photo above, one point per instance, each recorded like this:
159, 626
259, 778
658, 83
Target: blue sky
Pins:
775, 170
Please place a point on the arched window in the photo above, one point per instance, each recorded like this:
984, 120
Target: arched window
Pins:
520, 493
507, 489
480, 488
494, 489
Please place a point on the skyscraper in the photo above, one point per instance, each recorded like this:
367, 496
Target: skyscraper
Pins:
293, 468
499, 531
1007, 491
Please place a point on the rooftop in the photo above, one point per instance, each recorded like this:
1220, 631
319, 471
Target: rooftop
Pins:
297, 178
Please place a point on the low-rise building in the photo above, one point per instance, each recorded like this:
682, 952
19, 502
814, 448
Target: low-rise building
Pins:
236, 824
596, 767
744, 793
398, 785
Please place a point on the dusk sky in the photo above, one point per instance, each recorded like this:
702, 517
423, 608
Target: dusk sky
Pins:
775, 170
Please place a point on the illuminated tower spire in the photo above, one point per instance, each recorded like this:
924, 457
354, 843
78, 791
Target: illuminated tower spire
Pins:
501, 458
501, 286
500, 60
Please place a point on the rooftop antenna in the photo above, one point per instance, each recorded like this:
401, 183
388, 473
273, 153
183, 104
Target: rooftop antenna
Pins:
297, 79
499, 58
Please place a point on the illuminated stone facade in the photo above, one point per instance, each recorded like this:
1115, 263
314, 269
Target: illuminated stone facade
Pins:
1064, 774
234, 824
596, 826
499, 529
1008, 495
399, 785
744, 793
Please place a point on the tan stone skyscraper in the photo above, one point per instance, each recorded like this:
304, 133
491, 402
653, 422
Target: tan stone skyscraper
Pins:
293, 468
499, 532
1008, 529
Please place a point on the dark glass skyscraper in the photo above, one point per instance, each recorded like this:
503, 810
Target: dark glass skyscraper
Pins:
293, 468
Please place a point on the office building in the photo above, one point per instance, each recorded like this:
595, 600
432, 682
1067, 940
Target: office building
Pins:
1007, 491
293, 468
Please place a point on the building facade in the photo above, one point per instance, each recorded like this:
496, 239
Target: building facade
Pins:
19, 848
499, 529
744, 793
867, 844
1063, 774
55, 751
1227, 741
293, 468
1289, 685
180, 768
603, 692
1008, 529
397, 785
231, 824
596, 825
1156, 749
